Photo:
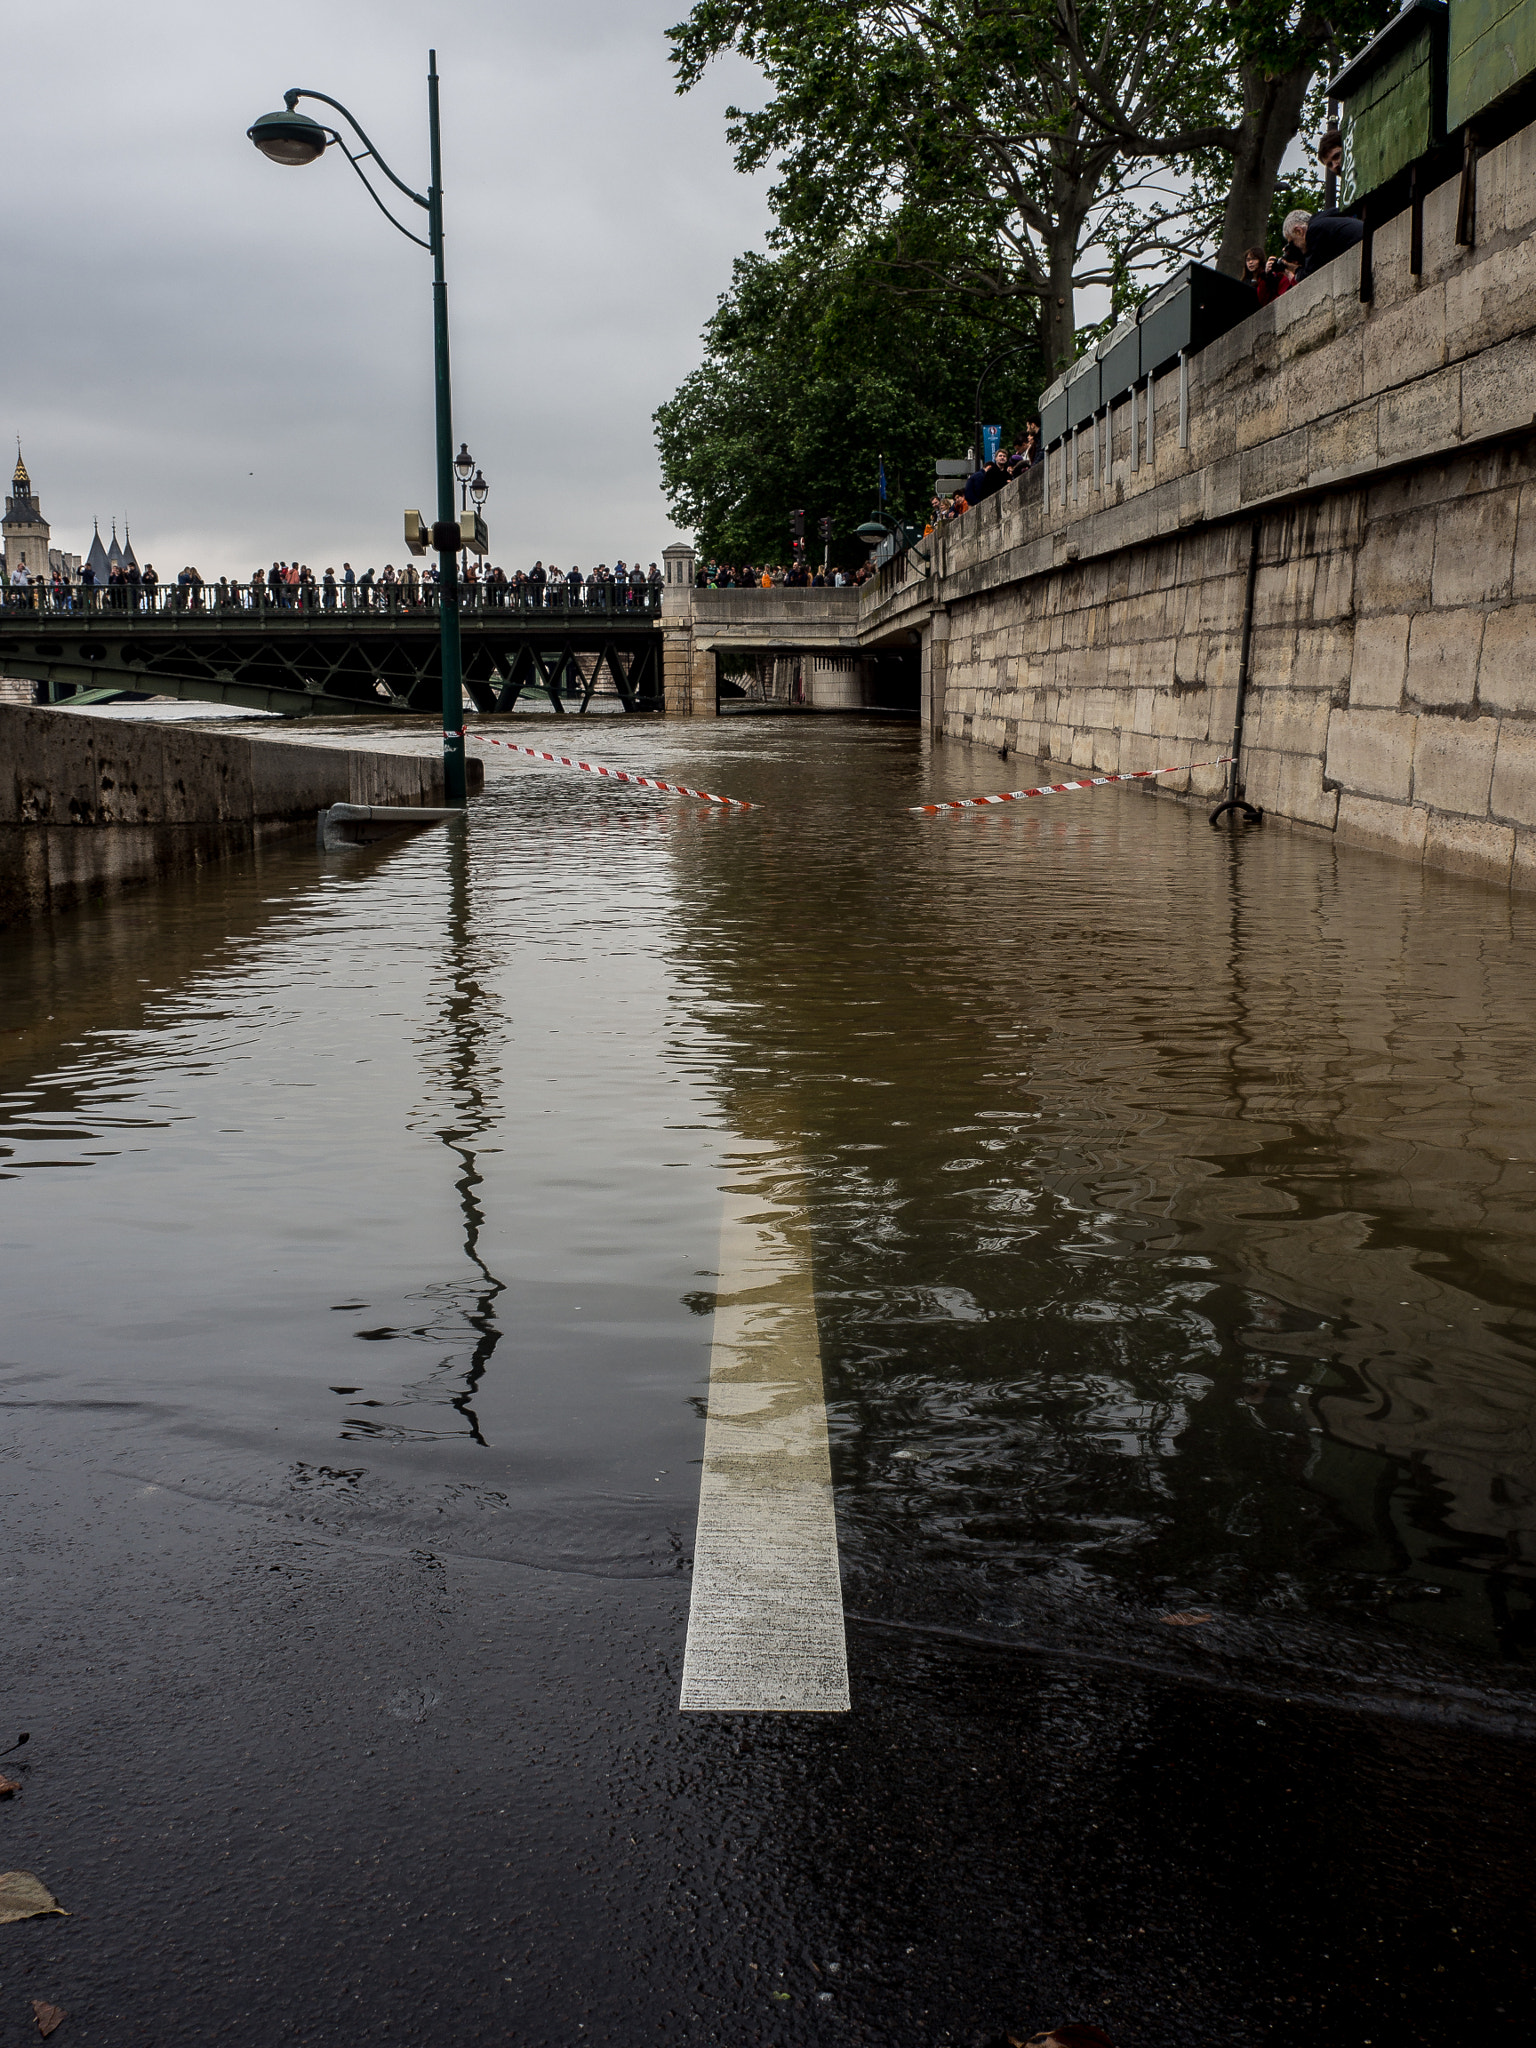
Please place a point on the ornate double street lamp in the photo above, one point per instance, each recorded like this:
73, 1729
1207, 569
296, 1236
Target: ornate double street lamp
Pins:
471, 485
293, 138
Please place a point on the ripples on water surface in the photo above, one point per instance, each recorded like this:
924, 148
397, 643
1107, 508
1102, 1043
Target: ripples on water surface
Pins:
1171, 1192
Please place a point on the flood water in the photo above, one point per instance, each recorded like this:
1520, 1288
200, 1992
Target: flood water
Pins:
1172, 1197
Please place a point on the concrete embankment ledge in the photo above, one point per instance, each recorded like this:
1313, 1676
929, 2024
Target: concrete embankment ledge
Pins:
92, 805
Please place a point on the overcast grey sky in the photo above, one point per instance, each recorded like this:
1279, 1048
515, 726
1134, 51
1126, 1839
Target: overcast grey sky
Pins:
238, 356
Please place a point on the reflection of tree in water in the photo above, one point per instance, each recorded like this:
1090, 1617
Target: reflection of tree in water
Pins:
460, 1049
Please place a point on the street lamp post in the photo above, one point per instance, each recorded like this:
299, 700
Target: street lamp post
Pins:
293, 138
471, 485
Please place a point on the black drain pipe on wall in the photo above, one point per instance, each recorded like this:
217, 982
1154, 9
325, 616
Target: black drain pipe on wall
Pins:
1234, 798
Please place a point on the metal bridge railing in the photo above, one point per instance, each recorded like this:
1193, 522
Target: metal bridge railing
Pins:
168, 602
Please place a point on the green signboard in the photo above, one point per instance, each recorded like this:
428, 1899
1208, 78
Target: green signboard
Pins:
1492, 47
1393, 99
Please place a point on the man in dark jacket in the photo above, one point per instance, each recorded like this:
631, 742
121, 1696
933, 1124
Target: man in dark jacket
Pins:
1322, 236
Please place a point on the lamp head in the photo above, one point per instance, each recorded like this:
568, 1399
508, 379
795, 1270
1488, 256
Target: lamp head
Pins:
463, 463
872, 532
479, 489
289, 138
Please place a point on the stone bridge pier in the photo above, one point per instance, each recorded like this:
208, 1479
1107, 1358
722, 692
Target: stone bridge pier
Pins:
816, 630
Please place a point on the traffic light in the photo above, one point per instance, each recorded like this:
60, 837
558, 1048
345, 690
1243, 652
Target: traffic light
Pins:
824, 526
797, 525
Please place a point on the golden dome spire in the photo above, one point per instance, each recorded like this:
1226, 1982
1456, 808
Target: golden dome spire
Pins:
19, 478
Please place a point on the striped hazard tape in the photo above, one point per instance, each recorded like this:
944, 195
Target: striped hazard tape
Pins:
612, 774
1011, 796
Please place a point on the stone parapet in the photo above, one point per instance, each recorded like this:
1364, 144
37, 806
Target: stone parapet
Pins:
90, 805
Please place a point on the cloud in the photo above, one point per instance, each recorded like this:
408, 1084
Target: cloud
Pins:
237, 357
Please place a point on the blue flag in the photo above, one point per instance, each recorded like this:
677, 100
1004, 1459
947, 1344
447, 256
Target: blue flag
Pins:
991, 437
882, 479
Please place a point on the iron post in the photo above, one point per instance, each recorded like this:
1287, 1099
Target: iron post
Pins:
447, 558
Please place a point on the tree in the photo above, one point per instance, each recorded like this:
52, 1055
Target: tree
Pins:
1276, 49
812, 372
1071, 142
977, 114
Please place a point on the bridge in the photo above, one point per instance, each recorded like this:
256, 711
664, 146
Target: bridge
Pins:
677, 648
375, 651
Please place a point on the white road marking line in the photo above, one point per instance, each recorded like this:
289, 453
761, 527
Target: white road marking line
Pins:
765, 1622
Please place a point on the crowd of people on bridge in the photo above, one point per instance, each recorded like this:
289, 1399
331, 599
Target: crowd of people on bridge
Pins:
798, 575
624, 586
294, 586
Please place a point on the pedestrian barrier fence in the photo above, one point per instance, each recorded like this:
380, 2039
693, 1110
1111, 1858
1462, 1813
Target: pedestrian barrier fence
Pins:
1011, 796
611, 774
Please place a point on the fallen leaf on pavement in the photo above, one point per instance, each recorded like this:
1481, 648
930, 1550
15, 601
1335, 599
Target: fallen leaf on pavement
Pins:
8, 1786
1188, 1619
23, 1897
47, 2016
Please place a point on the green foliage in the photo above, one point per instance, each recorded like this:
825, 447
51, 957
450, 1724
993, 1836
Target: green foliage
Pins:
812, 371
1294, 190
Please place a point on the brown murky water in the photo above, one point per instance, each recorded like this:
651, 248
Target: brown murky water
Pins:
1173, 1193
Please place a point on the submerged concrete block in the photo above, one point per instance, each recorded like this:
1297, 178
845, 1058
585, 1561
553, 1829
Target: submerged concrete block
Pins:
1470, 846
1386, 827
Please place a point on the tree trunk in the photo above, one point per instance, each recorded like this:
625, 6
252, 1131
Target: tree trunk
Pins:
1059, 324
1271, 116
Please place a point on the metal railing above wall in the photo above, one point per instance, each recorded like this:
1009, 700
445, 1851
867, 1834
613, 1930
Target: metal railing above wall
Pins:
168, 602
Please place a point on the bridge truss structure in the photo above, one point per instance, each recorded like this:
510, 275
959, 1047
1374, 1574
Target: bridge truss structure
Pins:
375, 656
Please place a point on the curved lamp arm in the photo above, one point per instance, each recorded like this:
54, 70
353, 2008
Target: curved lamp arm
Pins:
298, 92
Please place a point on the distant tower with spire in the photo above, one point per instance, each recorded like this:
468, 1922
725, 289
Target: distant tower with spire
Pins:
24, 531
96, 561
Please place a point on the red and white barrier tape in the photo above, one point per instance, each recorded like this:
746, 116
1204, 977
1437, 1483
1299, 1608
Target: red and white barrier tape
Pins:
1010, 796
613, 774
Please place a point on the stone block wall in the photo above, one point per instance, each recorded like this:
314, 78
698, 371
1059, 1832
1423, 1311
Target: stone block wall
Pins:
92, 805
1385, 453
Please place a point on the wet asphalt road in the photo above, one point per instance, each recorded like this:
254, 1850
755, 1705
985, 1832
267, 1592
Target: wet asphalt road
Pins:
1173, 1241
300, 1790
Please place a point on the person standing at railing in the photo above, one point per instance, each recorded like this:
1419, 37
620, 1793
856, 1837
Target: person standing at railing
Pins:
573, 586
328, 591
537, 578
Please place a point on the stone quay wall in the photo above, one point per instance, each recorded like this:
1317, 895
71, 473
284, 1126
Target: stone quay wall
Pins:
1385, 454
92, 805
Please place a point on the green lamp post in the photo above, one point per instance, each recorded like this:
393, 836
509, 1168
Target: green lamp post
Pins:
293, 138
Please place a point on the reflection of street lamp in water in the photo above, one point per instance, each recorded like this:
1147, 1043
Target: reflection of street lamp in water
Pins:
460, 1047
